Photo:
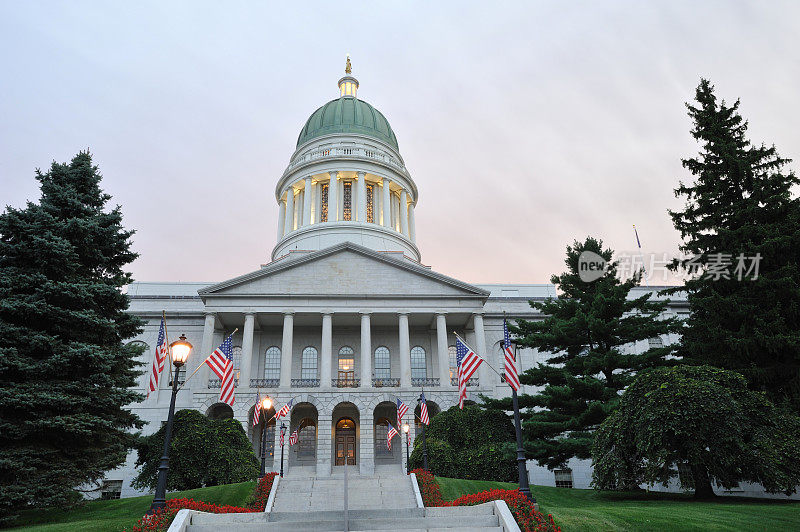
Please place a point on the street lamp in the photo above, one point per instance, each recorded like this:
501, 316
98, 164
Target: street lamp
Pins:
283, 433
405, 430
264, 405
180, 350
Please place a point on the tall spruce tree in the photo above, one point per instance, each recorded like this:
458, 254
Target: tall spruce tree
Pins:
65, 373
741, 204
589, 329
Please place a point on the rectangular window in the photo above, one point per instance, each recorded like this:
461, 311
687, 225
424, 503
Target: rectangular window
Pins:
655, 342
383, 364
347, 201
419, 369
370, 204
685, 476
309, 367
112, 489
272, 363
323, 217
563, 478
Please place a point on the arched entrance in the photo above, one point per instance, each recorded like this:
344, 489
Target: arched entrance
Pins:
304, 420
345, 434
384, 414
219, 411
255, 433
345, 442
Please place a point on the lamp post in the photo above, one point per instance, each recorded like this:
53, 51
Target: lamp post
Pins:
424, 444
264, 405
283, 433
522, 469
180, 350
408, 463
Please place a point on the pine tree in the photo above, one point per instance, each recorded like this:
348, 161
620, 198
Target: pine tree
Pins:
740, 205
65, 374
589, 330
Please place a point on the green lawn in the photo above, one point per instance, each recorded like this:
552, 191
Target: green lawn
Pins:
113, 516
595, 510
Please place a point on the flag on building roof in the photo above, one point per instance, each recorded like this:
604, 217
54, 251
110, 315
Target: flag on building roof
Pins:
257, 411
467, 362
402, 408
221, 363
392, 433
512, 378
160, 357
423, 409
285, 410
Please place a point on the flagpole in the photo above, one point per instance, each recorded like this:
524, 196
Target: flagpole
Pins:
201, 363
638, 243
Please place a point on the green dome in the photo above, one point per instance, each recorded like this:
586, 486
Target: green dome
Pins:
347, 115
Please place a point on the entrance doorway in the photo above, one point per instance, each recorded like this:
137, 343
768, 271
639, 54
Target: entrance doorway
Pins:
345, 442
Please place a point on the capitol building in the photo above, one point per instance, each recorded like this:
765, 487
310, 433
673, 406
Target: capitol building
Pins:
344, 318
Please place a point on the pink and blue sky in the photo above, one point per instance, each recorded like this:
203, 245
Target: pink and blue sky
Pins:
525, 125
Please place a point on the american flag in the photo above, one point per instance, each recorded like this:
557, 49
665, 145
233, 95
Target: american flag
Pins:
283, 431
402, 408
392, 433
467, 362
160, 358
257, 411
512, 378
285, 410
293, 437
423, 409
221, 363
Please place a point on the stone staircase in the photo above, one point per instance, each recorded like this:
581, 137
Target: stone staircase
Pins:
480, 518
364, 493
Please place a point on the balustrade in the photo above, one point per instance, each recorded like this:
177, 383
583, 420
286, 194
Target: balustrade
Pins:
305, 383
386, 383
265, 383
217, 383
345, 383
471, 382
427, 381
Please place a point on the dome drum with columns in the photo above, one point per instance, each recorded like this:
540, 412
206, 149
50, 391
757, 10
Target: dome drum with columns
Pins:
346, 182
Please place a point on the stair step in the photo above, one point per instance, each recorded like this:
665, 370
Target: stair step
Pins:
460, 523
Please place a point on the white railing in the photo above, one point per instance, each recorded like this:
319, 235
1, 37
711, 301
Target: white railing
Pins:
333, 149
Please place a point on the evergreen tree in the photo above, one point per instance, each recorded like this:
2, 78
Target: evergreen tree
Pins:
589, 329
65, 374
740, 204
705, 418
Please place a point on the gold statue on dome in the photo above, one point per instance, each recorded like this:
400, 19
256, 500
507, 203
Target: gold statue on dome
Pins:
348, 68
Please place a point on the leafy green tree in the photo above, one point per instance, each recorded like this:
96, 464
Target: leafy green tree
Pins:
202, 452
706, 418
65, 372
472, 443
740, 205
589, 329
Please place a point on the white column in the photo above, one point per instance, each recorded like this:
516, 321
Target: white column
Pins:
386, 204
324, 440
289, 225
208, 339
366, 352
480, 346
281, 218
405, 352
317, 202
286, 350
412, 229
325, 352
404, 212
441, 348
333, 198
362, 197
247, 350
307, 202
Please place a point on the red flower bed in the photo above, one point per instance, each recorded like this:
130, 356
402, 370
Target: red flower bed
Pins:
160, 521
528, 518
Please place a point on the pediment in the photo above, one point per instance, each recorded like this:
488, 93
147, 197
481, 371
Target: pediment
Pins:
345, 270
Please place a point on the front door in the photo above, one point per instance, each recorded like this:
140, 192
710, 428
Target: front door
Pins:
345, 442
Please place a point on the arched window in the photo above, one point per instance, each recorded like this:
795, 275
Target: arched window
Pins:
272, 363
419, 368
237, 360
309, 367
383, 363
307, 437
451, 353
323, 216
381, 435
346, 363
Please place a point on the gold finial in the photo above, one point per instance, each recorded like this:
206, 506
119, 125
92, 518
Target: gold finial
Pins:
348, 68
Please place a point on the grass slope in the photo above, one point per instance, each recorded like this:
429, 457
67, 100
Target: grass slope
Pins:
108, 516
576, 510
